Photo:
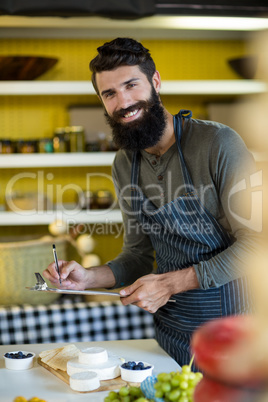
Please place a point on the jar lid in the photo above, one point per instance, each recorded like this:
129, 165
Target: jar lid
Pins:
76, 129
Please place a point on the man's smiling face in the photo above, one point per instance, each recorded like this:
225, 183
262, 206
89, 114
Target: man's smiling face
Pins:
121, 88
133, 108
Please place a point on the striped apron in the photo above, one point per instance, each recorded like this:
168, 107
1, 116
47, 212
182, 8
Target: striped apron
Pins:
179, 234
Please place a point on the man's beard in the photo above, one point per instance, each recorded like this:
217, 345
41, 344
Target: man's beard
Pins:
142, 133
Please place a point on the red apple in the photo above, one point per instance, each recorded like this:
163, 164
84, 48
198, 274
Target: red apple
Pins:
208, 390
225, 350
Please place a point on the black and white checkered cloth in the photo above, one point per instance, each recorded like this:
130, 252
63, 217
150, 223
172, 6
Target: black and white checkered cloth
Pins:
73, 321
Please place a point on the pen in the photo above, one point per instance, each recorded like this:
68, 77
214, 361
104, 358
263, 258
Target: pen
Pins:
56, 261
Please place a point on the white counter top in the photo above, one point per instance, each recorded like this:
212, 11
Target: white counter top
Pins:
41, 383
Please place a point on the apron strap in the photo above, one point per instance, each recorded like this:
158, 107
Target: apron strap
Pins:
177, 121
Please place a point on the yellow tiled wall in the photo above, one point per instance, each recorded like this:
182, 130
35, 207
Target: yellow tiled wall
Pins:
37, 116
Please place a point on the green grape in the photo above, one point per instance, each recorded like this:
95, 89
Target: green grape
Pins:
126, 394
125, 398
186, 369
112, 395
174, 394
158, 385
191, 376
175, 381
163, 377
184, 384
199, 375
166, 387
184, 377
135, 391
183, 399
124, 391
166, 397
190, 392
159, 393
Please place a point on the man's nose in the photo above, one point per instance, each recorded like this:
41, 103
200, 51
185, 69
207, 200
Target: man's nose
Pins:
123, 100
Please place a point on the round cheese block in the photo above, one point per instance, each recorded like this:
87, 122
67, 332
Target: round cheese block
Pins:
94, 356
84, 381
105, 371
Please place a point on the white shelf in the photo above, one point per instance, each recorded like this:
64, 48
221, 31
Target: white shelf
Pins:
28, 218
181, 87
213, 87
56, 159
20, 161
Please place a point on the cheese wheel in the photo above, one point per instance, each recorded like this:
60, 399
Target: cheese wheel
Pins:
84, 381
105, 371
94, 356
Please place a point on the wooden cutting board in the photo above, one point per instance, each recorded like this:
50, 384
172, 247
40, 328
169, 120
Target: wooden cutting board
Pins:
106, 385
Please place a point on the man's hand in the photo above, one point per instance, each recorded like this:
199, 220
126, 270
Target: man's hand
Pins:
150, 292
73, 275
76, 277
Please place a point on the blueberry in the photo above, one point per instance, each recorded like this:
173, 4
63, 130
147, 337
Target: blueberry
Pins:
18, 355
135, 366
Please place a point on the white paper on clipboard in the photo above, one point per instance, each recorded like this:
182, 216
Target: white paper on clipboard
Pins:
76, 292
41, 286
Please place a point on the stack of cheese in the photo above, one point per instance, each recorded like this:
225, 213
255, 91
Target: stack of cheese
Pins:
96, 361
85, 367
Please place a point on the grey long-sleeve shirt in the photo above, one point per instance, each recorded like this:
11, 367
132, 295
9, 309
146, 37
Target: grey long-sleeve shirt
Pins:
217, 160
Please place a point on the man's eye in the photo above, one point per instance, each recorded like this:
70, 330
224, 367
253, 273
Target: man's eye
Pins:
109, 94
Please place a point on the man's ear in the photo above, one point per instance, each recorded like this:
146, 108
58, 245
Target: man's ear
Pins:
157, 81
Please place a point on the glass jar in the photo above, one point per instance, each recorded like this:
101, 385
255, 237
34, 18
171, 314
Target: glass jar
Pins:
86, 199
77, 138
59, 141
104, 199
45, 145
7, 147
27, 147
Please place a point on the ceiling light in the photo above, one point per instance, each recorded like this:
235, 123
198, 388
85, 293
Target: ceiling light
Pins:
217, 23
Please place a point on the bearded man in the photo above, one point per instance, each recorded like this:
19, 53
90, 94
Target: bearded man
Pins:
175, 178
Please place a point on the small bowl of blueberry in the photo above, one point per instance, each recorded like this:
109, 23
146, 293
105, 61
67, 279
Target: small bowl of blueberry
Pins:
19, 360
132, 371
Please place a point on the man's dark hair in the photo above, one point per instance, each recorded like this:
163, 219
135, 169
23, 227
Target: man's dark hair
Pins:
122, 52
